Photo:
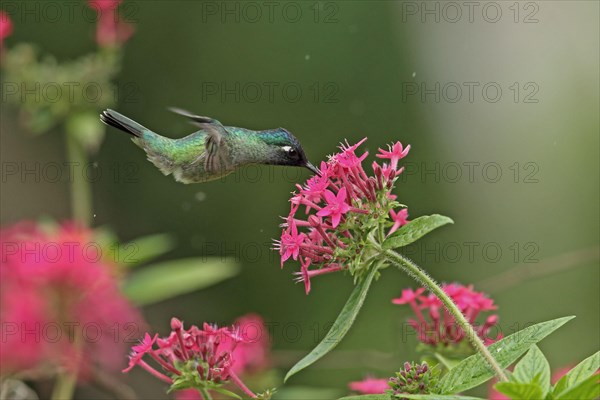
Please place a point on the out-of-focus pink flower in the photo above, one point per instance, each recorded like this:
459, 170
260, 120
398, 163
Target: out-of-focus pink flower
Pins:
111, 30
60, 303
251, 355
203, 357
104, 5
370, 385
6, 26
338, 205
439, 326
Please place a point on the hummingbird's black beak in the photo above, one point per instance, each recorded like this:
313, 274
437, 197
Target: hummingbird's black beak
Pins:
312, 168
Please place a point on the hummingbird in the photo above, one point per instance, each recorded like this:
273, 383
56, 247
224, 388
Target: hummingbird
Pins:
213, 151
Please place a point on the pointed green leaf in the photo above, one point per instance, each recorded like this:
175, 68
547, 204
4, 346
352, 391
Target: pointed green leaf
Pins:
340, 327
519, 390
587, 389
414, 230
439, 397
306, 393
474, 370
227, 393
410, 396
534, 368
165, 280
145, 248
579, 373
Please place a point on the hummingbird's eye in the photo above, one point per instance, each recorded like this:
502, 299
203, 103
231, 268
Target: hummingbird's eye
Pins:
289, 150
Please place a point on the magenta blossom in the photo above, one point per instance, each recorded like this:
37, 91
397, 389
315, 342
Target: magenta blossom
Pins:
345, 209
194, 358
51, 282
435, 325
370, 385
6, 26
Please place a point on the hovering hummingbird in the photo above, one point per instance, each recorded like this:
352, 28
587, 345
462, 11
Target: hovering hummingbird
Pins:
214, 151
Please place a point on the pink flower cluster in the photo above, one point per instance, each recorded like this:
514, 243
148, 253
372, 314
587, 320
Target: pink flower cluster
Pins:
342, 205
212, 356
59, 308
6, 27
111, 31
435, 325
370, 385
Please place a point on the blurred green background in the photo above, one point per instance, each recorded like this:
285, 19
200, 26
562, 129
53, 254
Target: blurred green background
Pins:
361, 68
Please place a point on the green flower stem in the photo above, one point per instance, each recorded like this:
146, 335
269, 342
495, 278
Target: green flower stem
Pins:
64, 387
205, 394
421, 276
81, 194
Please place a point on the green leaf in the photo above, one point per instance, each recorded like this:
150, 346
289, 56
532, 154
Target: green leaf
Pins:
165, 280
145, 248
340, 327
410, 396
439, 397
306, 393
474, 370
227, 393
534, 368
579, 373
414, 230
519, 390
587, 389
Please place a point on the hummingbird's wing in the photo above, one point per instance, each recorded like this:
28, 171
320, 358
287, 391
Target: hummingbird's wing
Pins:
197, 120
217, 157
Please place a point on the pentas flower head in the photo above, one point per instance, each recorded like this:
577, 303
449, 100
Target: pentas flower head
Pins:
435, 326
199, 358
344, 209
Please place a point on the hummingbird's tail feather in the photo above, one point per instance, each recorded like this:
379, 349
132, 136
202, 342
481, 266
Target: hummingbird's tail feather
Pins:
119, 121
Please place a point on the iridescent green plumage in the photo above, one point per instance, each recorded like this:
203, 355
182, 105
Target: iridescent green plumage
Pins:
213, 151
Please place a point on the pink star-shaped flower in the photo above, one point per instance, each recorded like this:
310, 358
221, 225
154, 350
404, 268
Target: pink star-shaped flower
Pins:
336, 206
138, 351
408, 296
395, 153
400, 218
290, 243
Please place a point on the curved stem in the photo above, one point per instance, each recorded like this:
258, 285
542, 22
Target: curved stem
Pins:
421, 276
205, 394
81, 193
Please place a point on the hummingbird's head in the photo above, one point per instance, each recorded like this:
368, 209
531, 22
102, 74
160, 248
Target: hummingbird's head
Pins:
285, 149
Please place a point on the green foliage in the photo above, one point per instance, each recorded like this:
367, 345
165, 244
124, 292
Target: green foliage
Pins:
533, 369
578, 380
475, 370
341, 326
164, 280
531, 379
518, 390
409, 396
415, 230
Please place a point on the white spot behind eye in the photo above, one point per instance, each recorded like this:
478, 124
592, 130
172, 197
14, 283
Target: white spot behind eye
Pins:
286, 148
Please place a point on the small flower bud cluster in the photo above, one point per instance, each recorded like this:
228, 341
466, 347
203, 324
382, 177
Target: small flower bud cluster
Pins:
413, 379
